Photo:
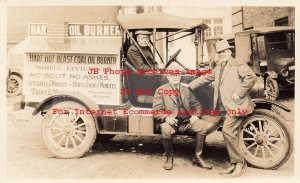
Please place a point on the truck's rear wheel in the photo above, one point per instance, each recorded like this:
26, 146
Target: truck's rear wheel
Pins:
14, 85
68, 135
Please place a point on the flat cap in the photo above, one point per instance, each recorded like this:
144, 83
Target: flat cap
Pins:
142, 32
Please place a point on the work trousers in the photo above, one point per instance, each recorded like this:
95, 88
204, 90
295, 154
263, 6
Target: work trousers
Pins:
168, 130
231, 129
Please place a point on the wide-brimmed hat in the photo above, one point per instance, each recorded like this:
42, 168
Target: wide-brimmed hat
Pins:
222, 45
142, 32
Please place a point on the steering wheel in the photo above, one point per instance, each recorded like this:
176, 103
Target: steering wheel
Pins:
172, 58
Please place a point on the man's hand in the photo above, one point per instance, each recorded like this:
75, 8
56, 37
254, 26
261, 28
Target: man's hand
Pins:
235, 96
171, 121
193, 119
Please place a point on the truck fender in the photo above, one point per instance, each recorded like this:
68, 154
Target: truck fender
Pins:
267, 104
272, 74
68, 96
15, 72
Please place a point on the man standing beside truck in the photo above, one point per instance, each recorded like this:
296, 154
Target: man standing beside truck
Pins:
233, 81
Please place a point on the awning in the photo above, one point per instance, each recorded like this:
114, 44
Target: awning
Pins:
268, 30
71, 45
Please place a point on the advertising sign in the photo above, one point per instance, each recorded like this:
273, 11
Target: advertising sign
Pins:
94, 30
37, 29
48, 74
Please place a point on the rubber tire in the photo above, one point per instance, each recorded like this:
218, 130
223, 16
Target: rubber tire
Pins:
276, 88
19, 80
89, 139
105, 137
279, 120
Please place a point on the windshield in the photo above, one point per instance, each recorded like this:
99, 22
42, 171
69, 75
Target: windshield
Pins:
281, 41
165, 44
187, 55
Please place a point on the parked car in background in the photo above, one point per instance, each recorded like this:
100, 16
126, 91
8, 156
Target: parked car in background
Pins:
269, 51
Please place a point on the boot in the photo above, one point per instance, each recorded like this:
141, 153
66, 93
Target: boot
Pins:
168, 165
197, 160
228, 170
168, 145
239, 169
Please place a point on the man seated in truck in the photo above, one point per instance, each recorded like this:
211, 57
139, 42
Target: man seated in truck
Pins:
179, 121
136, 58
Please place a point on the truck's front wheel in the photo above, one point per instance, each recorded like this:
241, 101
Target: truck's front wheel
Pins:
66, 133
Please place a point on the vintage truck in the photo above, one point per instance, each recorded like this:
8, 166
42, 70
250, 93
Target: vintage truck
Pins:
82, 92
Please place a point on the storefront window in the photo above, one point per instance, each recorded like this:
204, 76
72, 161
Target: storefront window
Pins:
215, 27
218, 30
282, 21
207, 33
207, 21
218, 21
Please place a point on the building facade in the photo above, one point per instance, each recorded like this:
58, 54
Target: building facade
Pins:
19, 18
55, 17
245, 18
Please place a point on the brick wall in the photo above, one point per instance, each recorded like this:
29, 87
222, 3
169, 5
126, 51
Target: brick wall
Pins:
266, 16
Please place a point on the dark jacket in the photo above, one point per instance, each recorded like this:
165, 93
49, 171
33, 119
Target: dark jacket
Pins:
166, 102
138, 61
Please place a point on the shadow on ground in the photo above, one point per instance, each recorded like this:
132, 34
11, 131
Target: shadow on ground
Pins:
214, 153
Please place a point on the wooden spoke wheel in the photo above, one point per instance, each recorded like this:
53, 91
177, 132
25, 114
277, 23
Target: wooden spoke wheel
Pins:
264, 140
68, 135
14, 86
